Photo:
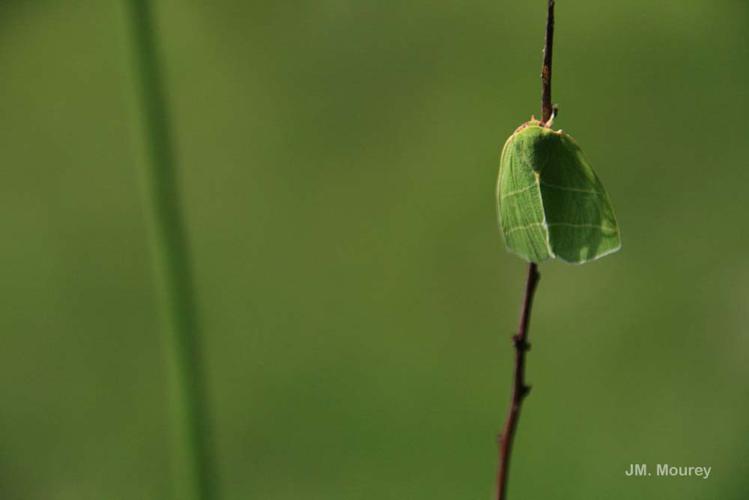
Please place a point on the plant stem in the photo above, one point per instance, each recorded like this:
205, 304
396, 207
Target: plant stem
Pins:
191, 456
546, 107
519, 388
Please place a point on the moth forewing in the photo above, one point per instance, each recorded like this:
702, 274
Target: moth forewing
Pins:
520, 207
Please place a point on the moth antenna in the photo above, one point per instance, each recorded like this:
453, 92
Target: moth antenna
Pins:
554, 113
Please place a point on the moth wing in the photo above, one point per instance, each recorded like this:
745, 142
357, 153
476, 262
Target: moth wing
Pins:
520, 206
580, 217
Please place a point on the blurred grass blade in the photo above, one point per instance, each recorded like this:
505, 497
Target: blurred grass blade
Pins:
192, 460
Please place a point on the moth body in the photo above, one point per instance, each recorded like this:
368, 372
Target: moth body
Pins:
551, 204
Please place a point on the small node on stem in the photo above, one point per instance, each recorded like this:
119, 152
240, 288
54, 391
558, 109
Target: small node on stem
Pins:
520, 343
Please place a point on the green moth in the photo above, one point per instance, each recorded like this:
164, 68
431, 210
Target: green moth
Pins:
551, 203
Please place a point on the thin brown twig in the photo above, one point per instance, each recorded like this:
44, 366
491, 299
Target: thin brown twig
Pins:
546, 107
519, 388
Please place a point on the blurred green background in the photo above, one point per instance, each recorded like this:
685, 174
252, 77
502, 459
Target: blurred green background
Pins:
338, 161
